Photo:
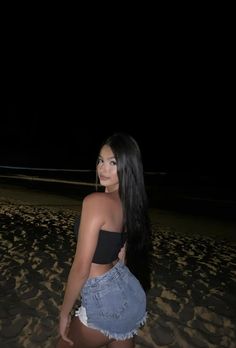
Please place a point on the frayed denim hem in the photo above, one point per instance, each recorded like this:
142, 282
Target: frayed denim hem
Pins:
124, 336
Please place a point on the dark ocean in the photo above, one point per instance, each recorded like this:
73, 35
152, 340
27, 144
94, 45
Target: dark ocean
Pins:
189, 192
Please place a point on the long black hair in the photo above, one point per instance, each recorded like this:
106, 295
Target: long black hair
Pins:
135, 205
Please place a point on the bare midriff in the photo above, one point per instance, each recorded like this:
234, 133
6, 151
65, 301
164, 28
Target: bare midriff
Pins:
98, 269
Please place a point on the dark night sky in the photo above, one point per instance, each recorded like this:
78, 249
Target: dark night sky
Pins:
178, 105
169, 87
59, 134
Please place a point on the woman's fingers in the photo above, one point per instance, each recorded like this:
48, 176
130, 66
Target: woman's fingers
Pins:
122, 252
64, 329
66, 339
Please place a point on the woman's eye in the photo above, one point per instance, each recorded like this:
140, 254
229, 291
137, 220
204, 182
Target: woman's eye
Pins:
99, 161
113, 163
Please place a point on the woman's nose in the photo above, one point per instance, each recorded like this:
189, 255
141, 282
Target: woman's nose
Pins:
102, 167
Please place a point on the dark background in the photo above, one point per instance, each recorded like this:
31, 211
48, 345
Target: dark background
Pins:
169, 82
169, 85
194, 150
57, 134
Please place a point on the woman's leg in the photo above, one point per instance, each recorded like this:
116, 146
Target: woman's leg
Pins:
122, 344
84, 337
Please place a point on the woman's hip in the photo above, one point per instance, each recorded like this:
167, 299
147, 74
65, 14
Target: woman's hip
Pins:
116, 294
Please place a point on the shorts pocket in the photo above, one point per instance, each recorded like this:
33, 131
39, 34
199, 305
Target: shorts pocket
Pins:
110, 302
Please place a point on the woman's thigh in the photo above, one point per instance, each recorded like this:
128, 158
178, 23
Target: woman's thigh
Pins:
122, 344
84, 337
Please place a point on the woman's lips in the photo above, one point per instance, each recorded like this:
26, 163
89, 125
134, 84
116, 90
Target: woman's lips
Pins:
101, 177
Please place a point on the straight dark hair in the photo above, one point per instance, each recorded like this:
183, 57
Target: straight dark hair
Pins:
135, 205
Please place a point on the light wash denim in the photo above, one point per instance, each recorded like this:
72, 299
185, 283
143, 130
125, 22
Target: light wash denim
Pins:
114, 303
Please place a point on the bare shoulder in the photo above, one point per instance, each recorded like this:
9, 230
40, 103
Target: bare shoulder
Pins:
96, 201
102, 210
93, 213
95, 198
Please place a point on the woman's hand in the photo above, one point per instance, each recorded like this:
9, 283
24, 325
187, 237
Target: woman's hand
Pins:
64, 328
122, 252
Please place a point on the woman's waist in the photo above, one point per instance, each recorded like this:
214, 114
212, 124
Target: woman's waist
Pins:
97, 270
112, 280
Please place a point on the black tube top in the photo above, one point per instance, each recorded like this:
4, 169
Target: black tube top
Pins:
108, 245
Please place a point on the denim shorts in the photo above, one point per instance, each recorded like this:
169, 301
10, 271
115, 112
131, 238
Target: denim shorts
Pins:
114, 303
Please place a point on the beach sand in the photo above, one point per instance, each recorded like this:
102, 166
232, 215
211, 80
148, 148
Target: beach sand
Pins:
192, 302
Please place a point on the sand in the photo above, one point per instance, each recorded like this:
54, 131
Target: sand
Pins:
192, 302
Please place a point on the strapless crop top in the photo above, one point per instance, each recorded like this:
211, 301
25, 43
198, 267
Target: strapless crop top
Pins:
108, 245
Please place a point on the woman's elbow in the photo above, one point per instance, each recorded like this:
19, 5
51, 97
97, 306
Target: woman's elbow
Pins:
80, 271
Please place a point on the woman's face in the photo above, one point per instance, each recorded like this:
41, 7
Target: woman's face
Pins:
107, 169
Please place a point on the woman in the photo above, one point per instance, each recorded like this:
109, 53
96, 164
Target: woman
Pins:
111, 266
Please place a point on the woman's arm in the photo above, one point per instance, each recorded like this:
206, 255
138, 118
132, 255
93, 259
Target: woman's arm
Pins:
90, 225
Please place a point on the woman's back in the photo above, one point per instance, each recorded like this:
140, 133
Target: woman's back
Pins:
110, 236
